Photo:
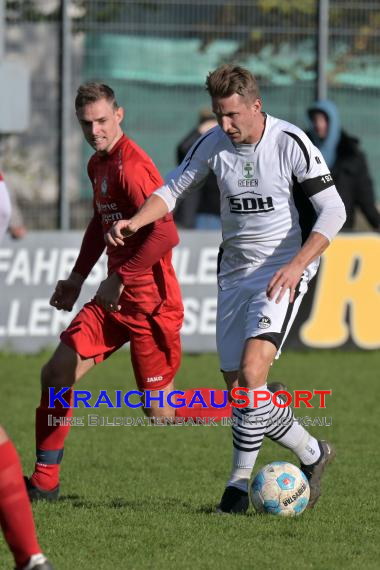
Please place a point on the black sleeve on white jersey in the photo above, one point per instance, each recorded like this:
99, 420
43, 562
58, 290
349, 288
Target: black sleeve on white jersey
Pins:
306, 212
312, 186
302, 147
313, 183
316, 166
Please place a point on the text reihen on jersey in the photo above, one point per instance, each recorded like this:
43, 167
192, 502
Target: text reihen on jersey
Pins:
108, 212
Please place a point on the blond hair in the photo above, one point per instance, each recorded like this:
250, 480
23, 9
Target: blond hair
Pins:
229, 79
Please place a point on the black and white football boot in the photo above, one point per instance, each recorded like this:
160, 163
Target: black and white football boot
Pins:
37, 562
234, 502
315, 471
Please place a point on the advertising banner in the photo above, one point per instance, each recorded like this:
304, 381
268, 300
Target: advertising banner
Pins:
341, 309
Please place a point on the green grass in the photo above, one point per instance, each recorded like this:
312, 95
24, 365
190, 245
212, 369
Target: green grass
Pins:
142, 497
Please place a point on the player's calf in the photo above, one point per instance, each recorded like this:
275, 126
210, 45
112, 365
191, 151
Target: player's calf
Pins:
61, 371
157, 404
16, 516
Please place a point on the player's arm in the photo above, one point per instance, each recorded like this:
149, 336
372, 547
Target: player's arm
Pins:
91, 249
68, 290
160, 238
188, 176
316, 181
155, 240
289, 275
159, 241
153, 209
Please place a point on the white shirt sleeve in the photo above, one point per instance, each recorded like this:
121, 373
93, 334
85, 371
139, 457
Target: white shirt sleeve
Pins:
315, 179
331, 212
190, 174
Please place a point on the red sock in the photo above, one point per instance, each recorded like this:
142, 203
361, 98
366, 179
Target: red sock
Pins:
16, 517
198, 411
50, 441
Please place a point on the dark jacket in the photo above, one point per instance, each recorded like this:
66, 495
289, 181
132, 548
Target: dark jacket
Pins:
205, 200
353, 182
348, 166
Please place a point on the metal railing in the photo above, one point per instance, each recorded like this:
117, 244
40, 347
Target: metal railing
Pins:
156, 56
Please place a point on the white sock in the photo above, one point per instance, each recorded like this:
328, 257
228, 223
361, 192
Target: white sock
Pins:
240, 478
283, 429
304, 445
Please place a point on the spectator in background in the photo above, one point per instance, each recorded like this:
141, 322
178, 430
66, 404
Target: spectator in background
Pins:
16, 226
346, 161
5, 208
200, 209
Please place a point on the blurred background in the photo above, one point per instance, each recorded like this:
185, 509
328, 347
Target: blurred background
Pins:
156, 56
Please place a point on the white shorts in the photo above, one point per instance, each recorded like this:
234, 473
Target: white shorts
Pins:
245, 311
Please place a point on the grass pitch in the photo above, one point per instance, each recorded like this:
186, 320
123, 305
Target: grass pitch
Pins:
143, 497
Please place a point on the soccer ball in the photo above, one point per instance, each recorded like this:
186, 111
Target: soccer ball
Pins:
280, 488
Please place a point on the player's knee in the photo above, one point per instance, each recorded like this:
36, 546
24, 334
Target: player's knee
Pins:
232, 381
156, 405
3, 435
160, 413
54, 374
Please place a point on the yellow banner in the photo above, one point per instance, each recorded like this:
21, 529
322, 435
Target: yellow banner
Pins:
346, 301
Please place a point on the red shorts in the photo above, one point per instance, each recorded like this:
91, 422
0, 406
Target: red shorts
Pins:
154, 340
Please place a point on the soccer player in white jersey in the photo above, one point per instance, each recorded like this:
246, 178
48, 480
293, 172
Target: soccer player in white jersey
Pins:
16, 518
279, 212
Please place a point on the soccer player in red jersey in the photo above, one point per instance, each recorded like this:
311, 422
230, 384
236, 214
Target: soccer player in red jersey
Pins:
140, 300
16, 518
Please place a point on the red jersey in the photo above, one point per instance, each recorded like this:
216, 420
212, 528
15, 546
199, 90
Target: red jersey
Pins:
121, 181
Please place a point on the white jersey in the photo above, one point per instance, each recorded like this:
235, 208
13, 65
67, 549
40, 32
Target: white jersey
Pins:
264, 210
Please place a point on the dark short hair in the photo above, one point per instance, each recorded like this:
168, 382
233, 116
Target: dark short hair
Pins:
229, 79
92, 92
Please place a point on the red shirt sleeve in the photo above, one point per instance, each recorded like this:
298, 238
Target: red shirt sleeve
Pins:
93, 243
92, 247
158, 242
144, 180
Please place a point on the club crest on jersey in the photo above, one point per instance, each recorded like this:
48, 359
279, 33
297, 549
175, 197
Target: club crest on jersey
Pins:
264, 322
250, 202
104, 186
248, 170
248, 181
